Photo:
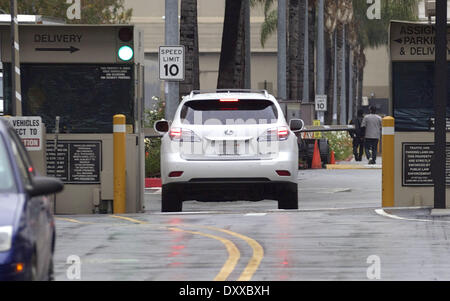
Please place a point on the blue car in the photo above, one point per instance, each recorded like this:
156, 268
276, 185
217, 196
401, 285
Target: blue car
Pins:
27, 229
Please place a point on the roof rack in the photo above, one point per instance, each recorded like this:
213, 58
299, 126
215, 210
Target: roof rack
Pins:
264, 92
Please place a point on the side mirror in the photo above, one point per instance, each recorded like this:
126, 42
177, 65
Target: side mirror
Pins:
296, 125
45, 186
161, 126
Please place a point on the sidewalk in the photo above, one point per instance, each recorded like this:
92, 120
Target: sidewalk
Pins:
352, 164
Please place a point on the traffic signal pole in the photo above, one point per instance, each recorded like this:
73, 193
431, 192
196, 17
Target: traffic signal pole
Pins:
16, 91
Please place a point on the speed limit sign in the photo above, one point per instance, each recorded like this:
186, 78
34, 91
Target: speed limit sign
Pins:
171, 63
321, 103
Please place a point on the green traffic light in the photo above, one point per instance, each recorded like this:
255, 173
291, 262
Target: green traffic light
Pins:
125, 53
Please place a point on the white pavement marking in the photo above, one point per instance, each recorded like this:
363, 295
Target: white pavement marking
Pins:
325, 190
385, 214
153, 190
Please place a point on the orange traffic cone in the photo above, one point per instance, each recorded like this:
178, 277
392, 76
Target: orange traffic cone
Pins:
316, 162
332, 159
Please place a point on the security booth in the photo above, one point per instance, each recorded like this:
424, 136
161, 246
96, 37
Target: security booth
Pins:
76, 78
412, 49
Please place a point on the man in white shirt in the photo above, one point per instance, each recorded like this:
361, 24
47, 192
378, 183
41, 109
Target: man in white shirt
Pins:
372, 124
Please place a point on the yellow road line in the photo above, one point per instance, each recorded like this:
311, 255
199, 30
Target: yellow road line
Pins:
129, 219
258, 252
70, 220
233, 253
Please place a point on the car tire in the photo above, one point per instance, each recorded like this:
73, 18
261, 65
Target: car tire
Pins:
170, 201
288, 200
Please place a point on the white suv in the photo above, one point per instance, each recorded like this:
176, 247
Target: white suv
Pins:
229, 145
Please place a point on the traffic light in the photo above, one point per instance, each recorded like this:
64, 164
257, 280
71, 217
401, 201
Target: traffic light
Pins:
125, 51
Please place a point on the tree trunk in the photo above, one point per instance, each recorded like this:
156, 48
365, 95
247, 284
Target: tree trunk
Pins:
294, 37
189, 38
355, 87
329, 77
360, 86
312, 40
347, 79
339, 70
231, 54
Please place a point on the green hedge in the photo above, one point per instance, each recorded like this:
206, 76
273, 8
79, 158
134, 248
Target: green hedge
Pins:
153, 146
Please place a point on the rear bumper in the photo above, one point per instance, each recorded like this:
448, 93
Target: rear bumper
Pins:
217, 189
229, 168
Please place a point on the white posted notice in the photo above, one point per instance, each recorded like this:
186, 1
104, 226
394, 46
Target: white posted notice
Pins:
29, 130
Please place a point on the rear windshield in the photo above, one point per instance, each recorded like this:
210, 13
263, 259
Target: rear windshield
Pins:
7, 184
229, 111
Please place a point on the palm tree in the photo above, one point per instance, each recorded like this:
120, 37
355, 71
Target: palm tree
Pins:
369, 34
92, 11
374, 33
232, 55
295, 51
331, 72
296, 42
189, 38
311, 46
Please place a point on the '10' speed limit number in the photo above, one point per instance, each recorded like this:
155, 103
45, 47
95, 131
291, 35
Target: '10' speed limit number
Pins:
171, 63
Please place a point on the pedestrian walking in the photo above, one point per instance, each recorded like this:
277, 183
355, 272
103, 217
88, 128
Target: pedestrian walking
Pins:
372, 124
357, 135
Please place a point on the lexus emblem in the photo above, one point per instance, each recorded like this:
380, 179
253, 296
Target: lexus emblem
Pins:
229, 132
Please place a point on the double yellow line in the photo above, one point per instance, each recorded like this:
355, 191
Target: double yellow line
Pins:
233, 252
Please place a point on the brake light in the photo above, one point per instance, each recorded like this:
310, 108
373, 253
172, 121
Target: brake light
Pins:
229, 100
183, 135
283, 133
175, 133
283, 173
175, 174
275, 134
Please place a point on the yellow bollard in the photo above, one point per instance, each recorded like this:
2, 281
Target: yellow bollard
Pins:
119, 138
388, 162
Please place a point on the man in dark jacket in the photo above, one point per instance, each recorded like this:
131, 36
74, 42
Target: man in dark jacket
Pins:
358, 136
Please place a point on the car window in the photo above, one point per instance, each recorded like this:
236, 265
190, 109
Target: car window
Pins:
229, 111
7, 183
21, 158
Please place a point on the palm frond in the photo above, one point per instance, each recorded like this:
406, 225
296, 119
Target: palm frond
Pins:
269, 26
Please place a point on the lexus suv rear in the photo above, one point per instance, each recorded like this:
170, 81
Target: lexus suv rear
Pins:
229, 145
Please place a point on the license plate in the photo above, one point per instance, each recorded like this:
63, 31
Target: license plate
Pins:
228, 147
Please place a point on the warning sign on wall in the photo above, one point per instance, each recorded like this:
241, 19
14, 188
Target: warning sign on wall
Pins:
29, 130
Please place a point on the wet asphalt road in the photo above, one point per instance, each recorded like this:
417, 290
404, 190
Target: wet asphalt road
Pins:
335, 235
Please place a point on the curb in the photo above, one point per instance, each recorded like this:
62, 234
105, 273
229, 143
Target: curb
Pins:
352, 166
152, 182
